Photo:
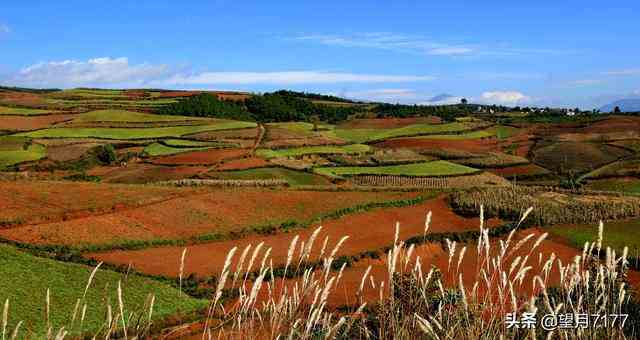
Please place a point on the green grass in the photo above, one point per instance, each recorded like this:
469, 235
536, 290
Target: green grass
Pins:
434, 168
617, 235
21, 112
293, 177
461, 136
368, 135
307, 150
24, 280
11, 157
157, 149
134, 133
502, 131
192, 143
613, 184
128, 116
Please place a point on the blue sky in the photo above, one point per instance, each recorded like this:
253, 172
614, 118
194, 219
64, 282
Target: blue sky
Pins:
556, 53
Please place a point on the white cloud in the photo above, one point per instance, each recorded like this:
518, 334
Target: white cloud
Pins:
118, 72
393, 42
288, 78
504, 97
93, 72
626, 72
448, 100
4, 29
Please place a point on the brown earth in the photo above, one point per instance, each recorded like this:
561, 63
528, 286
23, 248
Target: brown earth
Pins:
526, 169
243, 164
138, 173
220, 211
211, 156
468, 145
30, 202
26, 123
387, 123
369, 230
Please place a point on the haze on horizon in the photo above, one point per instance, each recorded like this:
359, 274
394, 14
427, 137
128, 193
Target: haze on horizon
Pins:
544, 53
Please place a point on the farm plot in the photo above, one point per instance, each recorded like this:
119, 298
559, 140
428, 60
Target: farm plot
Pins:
526, 170
208, 259
162, 149
205, 156
387, 123
15, 150
577, 157
617, 235
438, 147
617, 169
130, 117
24, 202
493, 160
425, 169
381, 157
319, 150
66, 283
243, 164
369, 135
216, 212
459, 182
142, 173
291, 176
134, 133
4, 110
22, 123
629, 185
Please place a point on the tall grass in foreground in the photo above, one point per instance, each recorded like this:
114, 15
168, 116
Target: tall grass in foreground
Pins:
414, 303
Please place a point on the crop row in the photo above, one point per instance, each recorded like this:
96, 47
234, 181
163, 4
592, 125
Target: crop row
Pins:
225, 182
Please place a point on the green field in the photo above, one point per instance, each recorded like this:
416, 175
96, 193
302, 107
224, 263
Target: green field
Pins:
616, 184
157, 149
134, 133
460, 136
66, 283
291, 176
617, 235
434, 168
368, 135
32, 153
307, 150
629, 167
194, 143
21, 112
128, 116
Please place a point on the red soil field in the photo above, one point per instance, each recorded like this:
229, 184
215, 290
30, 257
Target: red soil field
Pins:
249, 134
208, 259
243, 164
176, 94
614, 124
434, 255
29, 202
469, 145
526, 169
136, 173
212, 211
388, 123
24, 123
211, 156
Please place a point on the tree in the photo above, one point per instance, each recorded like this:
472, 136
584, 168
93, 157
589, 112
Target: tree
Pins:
617, 109
463, 101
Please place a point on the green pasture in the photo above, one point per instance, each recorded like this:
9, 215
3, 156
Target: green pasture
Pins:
308, 150
425, 169
368, 135
128, 116
291, 176
24, 280
15, 111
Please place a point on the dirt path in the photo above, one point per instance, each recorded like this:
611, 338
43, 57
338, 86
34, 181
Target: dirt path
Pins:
369, 230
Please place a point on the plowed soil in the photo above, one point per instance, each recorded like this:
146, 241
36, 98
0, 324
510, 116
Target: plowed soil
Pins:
205, 157
215, 211
243, 164
469, 145
22, 123
388, 123
367, 231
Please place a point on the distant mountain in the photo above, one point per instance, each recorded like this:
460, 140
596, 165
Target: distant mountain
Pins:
442, 99
626, 105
